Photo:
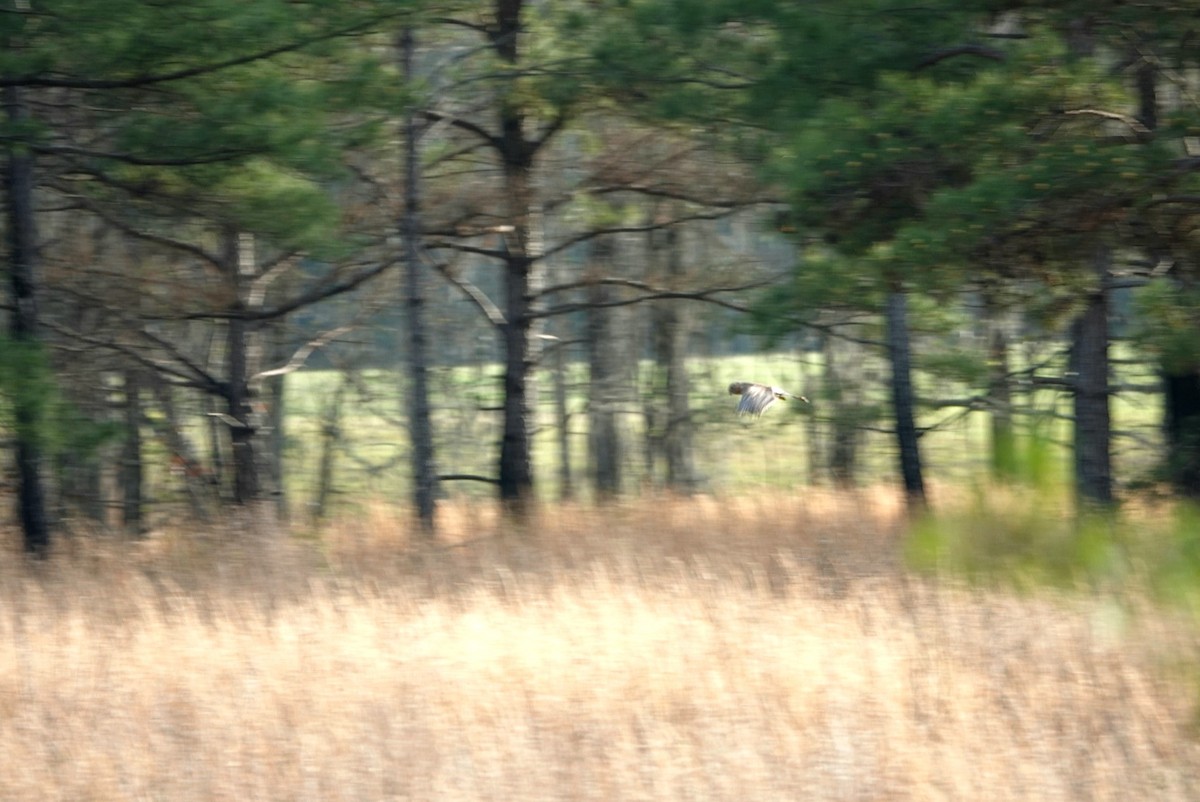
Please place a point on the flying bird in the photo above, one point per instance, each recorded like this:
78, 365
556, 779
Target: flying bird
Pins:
757, 397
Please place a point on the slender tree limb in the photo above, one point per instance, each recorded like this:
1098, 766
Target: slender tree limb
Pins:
207, 257
446, 245
466, 477
552, 128
662, 295
1140, 131
48, 81
669, 194
1171, 199
205, 377
184, 379
464, 125
650, 288
586, 236
462, 23
980, 51
321, 292
130, 158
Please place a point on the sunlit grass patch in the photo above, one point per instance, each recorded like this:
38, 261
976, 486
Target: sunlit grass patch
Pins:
767, 647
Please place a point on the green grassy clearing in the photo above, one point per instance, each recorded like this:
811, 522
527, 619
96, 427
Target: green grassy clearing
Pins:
732, 455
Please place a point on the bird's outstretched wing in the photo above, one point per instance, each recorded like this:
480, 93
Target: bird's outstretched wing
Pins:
756, 398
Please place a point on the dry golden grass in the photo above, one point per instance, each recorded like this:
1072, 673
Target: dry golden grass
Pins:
741, 650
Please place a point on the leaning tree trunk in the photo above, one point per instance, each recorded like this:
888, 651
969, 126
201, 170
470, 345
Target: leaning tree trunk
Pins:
1089, 362
197, 481
903, 398
420, 425
22, 255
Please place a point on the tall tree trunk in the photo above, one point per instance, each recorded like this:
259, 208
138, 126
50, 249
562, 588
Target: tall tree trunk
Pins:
843, 445
420, 425
331, 438
669, 339
131, 456
562, 414
903, 398
22, 269
1089, 362
604, 390
516, 466
240, 362
274, 390
521, 252
1003, 446
1180, 383
1181, 426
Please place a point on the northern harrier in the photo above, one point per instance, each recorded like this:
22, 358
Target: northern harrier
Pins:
757, 397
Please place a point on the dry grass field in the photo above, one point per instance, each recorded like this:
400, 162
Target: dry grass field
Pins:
763, 649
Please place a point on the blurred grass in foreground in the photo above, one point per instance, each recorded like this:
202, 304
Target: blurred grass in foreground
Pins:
770, 647
1029, 533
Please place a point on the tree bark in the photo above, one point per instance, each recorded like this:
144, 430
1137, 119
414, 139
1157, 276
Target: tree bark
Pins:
1089, 363
604, 391
520, 262
1181, 384
420, 424
131, 456
566, 489
903, 398
241, 359
22, 268
669, 339
843, 445
274, 389
1003, 445
331, 438
1181, 426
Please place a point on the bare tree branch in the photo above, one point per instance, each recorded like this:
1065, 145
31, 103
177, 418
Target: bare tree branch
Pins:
707, 296
466, 477
981, 51
591, 234
646, 287
135, 82
1135, 125
464, 125
461, 247
205, 256
185, 379
130, 158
